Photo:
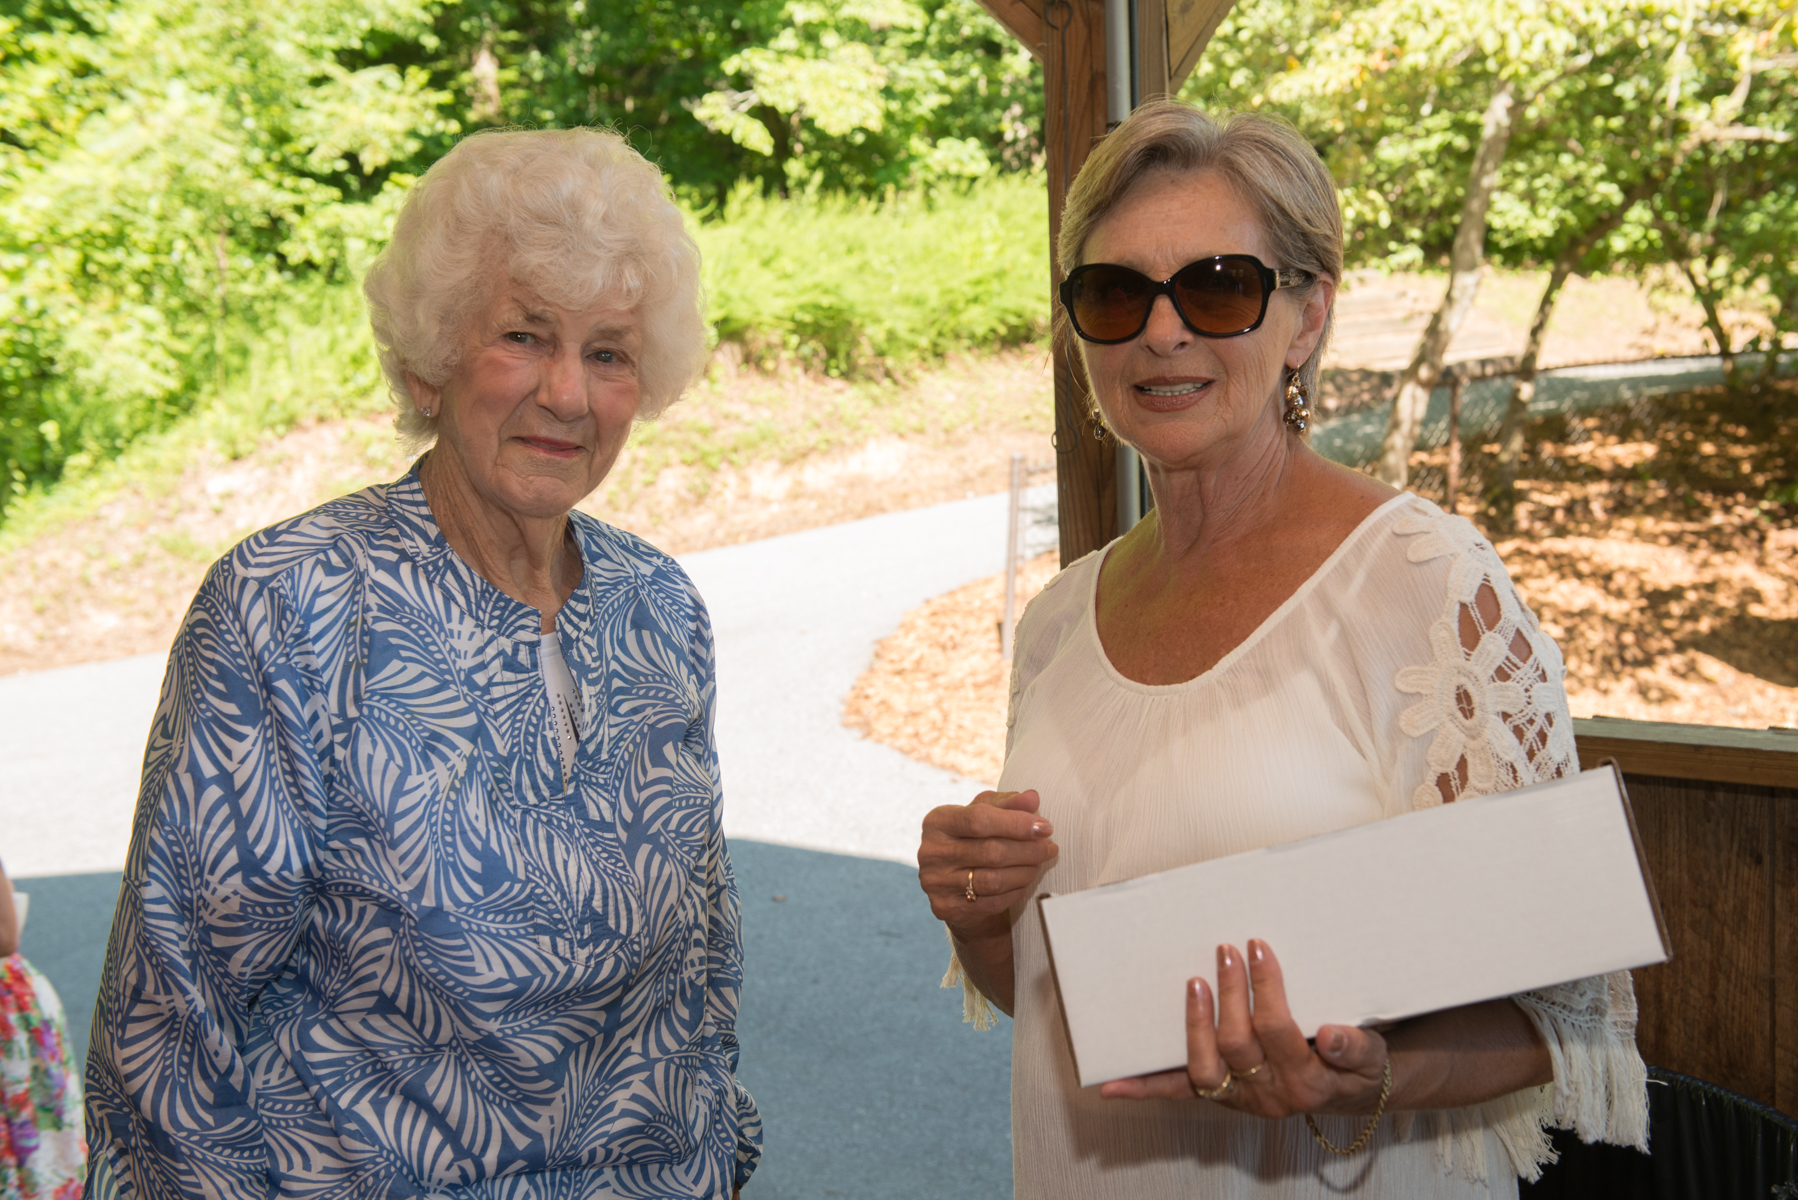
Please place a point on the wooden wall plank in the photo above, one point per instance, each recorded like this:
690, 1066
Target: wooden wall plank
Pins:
1023, 19
1709, 1012
1784, 952
1190, 24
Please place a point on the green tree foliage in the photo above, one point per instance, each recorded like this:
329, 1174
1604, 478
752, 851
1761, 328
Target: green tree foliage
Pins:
843, 95
170, 169
181, 178
1727, 218
1615, 94
878, 93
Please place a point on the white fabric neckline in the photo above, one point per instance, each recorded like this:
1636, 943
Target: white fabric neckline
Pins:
1091, 621
564, 701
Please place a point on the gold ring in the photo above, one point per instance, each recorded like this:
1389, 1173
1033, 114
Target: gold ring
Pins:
1252, 1071
969, 893
1218, 1092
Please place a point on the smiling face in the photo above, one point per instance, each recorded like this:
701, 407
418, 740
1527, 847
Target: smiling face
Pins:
539, 404
1184, 400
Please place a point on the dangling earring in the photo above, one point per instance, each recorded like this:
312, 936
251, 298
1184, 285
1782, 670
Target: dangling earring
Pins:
1298, 403
1097, 424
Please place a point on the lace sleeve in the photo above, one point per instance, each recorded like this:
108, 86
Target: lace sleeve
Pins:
1492, 703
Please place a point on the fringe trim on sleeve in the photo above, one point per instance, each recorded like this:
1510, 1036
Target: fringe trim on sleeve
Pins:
975, 1010
1600, 1090
1517, 1121
1601, 1083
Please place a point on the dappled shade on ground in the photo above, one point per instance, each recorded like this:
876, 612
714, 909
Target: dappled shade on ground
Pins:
1660, 553
1664, 560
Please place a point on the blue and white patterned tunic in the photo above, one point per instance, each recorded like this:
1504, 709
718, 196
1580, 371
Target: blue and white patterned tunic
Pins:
370, 942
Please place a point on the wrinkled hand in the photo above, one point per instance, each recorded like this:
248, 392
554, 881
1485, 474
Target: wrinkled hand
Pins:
1002, 841
1275, 1072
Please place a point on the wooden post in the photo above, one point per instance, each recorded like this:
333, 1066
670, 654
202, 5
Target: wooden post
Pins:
1454, 441
1068, 37
1151, 50
1190, 24
1074, 121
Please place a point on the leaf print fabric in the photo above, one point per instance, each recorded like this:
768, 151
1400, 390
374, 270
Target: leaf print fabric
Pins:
374, 940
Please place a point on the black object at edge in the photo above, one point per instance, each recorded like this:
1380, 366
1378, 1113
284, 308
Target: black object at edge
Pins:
1706, 1143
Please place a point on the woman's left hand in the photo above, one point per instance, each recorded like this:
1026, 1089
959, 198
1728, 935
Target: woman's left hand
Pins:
1272, 1070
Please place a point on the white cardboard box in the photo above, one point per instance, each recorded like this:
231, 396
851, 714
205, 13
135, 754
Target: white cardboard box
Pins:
1480, 898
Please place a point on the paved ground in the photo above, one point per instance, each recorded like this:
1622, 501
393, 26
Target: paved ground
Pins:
871, 1086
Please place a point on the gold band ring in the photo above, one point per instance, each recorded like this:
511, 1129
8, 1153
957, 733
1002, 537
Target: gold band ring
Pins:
1251, 1072
970, 893
1220, 1091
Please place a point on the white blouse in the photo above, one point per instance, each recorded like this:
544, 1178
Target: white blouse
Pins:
1404, 671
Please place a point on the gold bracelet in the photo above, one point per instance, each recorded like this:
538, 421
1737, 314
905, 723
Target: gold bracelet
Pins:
1360, 1143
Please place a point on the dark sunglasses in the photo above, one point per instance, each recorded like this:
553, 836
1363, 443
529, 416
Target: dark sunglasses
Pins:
1220, 297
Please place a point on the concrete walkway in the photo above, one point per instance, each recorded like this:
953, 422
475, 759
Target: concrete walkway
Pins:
797, 618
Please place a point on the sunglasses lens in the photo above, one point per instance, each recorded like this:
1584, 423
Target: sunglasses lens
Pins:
1110, 304
1220, 295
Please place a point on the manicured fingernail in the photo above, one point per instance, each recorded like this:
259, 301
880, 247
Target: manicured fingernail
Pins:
1226, 958
1197, 988
1041, 829
1258, 951
1337, 1041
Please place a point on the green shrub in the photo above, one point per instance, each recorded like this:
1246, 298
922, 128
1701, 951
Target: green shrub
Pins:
850, 285
856, 287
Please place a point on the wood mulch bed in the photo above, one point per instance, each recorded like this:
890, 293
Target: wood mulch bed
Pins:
1662, 557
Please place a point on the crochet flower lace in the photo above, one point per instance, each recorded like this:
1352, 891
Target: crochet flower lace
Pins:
1492, 698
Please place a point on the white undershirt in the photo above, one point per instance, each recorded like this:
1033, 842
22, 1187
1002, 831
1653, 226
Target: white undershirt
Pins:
564, 701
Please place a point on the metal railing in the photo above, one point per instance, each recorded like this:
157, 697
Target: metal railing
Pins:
1592, 399
1021, 474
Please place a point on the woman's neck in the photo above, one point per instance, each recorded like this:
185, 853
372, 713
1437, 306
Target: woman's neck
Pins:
528, 558
1201, 508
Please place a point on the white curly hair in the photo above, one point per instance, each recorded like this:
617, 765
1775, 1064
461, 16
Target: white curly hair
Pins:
575, 215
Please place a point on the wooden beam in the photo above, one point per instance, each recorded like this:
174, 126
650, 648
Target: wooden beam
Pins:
1190, 24
1023, 19
1074, 121
1756, 757
1152, 49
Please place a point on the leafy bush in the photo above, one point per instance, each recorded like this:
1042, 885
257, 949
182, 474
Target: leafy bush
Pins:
854, 285
175, 175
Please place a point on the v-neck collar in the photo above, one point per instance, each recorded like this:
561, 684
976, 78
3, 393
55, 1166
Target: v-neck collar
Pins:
446, 571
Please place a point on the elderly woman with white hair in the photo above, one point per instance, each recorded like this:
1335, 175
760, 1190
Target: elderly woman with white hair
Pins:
427, 892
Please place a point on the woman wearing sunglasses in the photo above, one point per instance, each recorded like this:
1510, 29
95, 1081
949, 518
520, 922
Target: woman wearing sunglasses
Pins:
1282, 648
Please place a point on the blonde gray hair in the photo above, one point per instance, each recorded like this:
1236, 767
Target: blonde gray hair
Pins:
1268, 163
575, 215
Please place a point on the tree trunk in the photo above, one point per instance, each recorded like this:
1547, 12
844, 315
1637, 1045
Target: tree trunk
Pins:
1499, 493
1523, 385
1713, 320
1463, 285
